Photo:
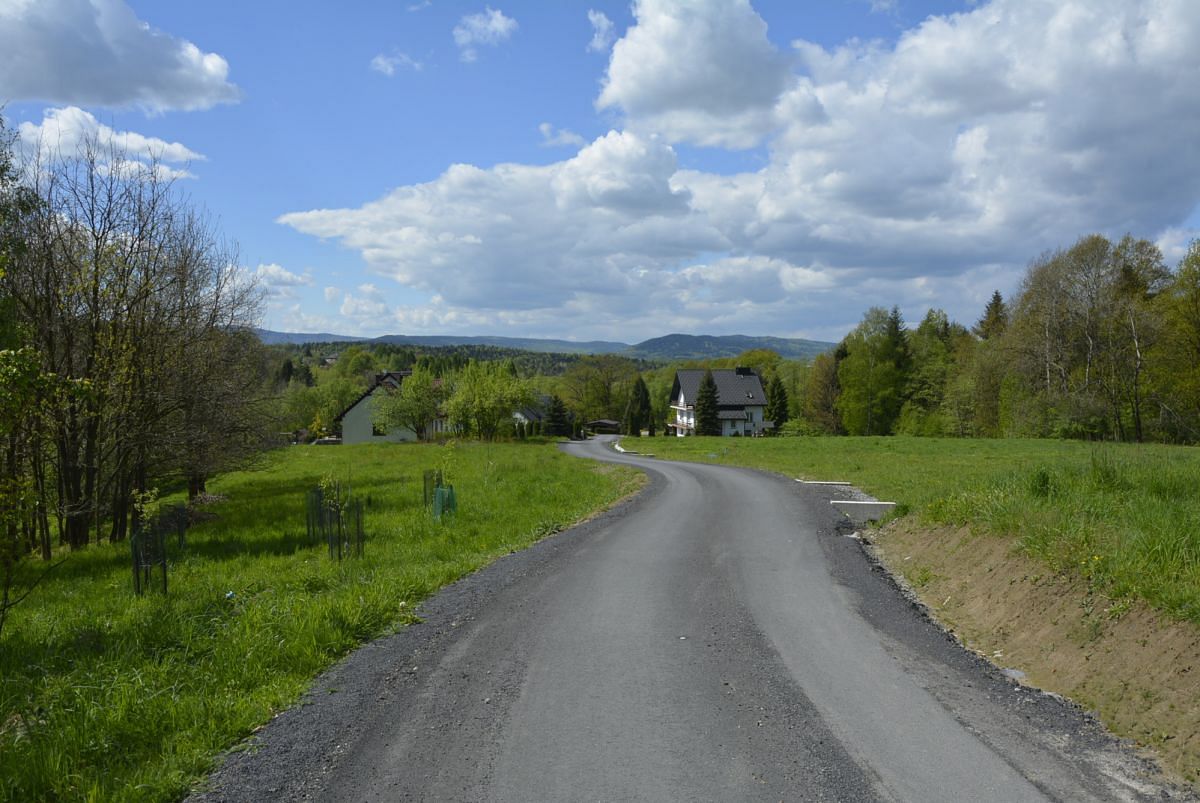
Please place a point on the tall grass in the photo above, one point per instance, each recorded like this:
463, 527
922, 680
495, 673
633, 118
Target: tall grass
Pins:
108, 696
1126, 521
1123, 517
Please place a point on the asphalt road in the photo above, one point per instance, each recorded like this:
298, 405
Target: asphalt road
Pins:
717, 638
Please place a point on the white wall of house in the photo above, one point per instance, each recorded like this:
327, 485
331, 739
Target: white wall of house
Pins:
357, 426
685, 422
684, 418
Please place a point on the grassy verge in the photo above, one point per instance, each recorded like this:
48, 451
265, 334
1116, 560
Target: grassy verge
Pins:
108, 696
1125, 518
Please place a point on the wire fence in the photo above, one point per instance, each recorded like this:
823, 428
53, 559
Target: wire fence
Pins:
335, 519
148, 545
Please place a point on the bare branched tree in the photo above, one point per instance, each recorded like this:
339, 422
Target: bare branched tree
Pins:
132, 299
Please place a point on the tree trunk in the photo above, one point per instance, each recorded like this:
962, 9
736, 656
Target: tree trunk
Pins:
197, 485
120, 511
72, 501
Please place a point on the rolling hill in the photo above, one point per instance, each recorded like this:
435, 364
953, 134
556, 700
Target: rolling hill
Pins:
703, 347
668, 348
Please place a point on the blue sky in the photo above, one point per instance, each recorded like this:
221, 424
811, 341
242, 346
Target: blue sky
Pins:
621, 171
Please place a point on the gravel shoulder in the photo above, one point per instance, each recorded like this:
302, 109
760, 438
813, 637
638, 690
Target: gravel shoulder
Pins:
645, 654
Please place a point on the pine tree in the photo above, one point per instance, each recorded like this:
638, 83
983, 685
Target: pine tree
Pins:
285, 373
898, 352
777, 402
994, 320
556, 424
707, 420
637, 410
896, 346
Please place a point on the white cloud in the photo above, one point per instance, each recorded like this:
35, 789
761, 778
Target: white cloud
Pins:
622, 174
97, 52
295, 319
135, 169
65, 130
602, 31
488, 27
368, 305
279, 282
552, 138
699, 71
279, 276
68, 131
387, 65
1174, 243
757, 279
332, 294
988, 136
521, 237
922, 173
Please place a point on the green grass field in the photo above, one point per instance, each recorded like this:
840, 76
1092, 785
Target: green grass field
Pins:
108, 696
1124, 517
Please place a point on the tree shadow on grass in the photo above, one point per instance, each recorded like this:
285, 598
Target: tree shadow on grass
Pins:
276, 524
232, 547
100, 559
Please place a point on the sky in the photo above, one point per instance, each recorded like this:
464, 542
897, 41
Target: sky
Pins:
620, 171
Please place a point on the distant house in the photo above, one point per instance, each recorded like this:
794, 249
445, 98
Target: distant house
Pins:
534, 412
357, 420
741, 401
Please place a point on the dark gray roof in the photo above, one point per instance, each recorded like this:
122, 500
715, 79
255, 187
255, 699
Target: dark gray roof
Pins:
736, 387
389, 379
531, 413
731, 415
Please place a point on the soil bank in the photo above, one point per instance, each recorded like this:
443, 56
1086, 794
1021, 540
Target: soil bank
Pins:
1135, 668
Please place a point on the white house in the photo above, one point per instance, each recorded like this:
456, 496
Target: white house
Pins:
358, 425
741, 401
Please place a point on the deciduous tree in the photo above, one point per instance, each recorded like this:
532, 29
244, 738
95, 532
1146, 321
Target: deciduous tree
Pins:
126, 291
596, 386
873, 375
823, 393
485, 396
1174, 373
415, 405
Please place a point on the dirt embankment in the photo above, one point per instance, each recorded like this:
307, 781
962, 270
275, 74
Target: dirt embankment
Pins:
1136, 669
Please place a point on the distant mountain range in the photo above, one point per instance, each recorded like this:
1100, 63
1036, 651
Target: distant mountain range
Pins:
704, 347
667, 348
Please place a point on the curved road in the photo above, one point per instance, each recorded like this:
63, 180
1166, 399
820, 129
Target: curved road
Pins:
717, 638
